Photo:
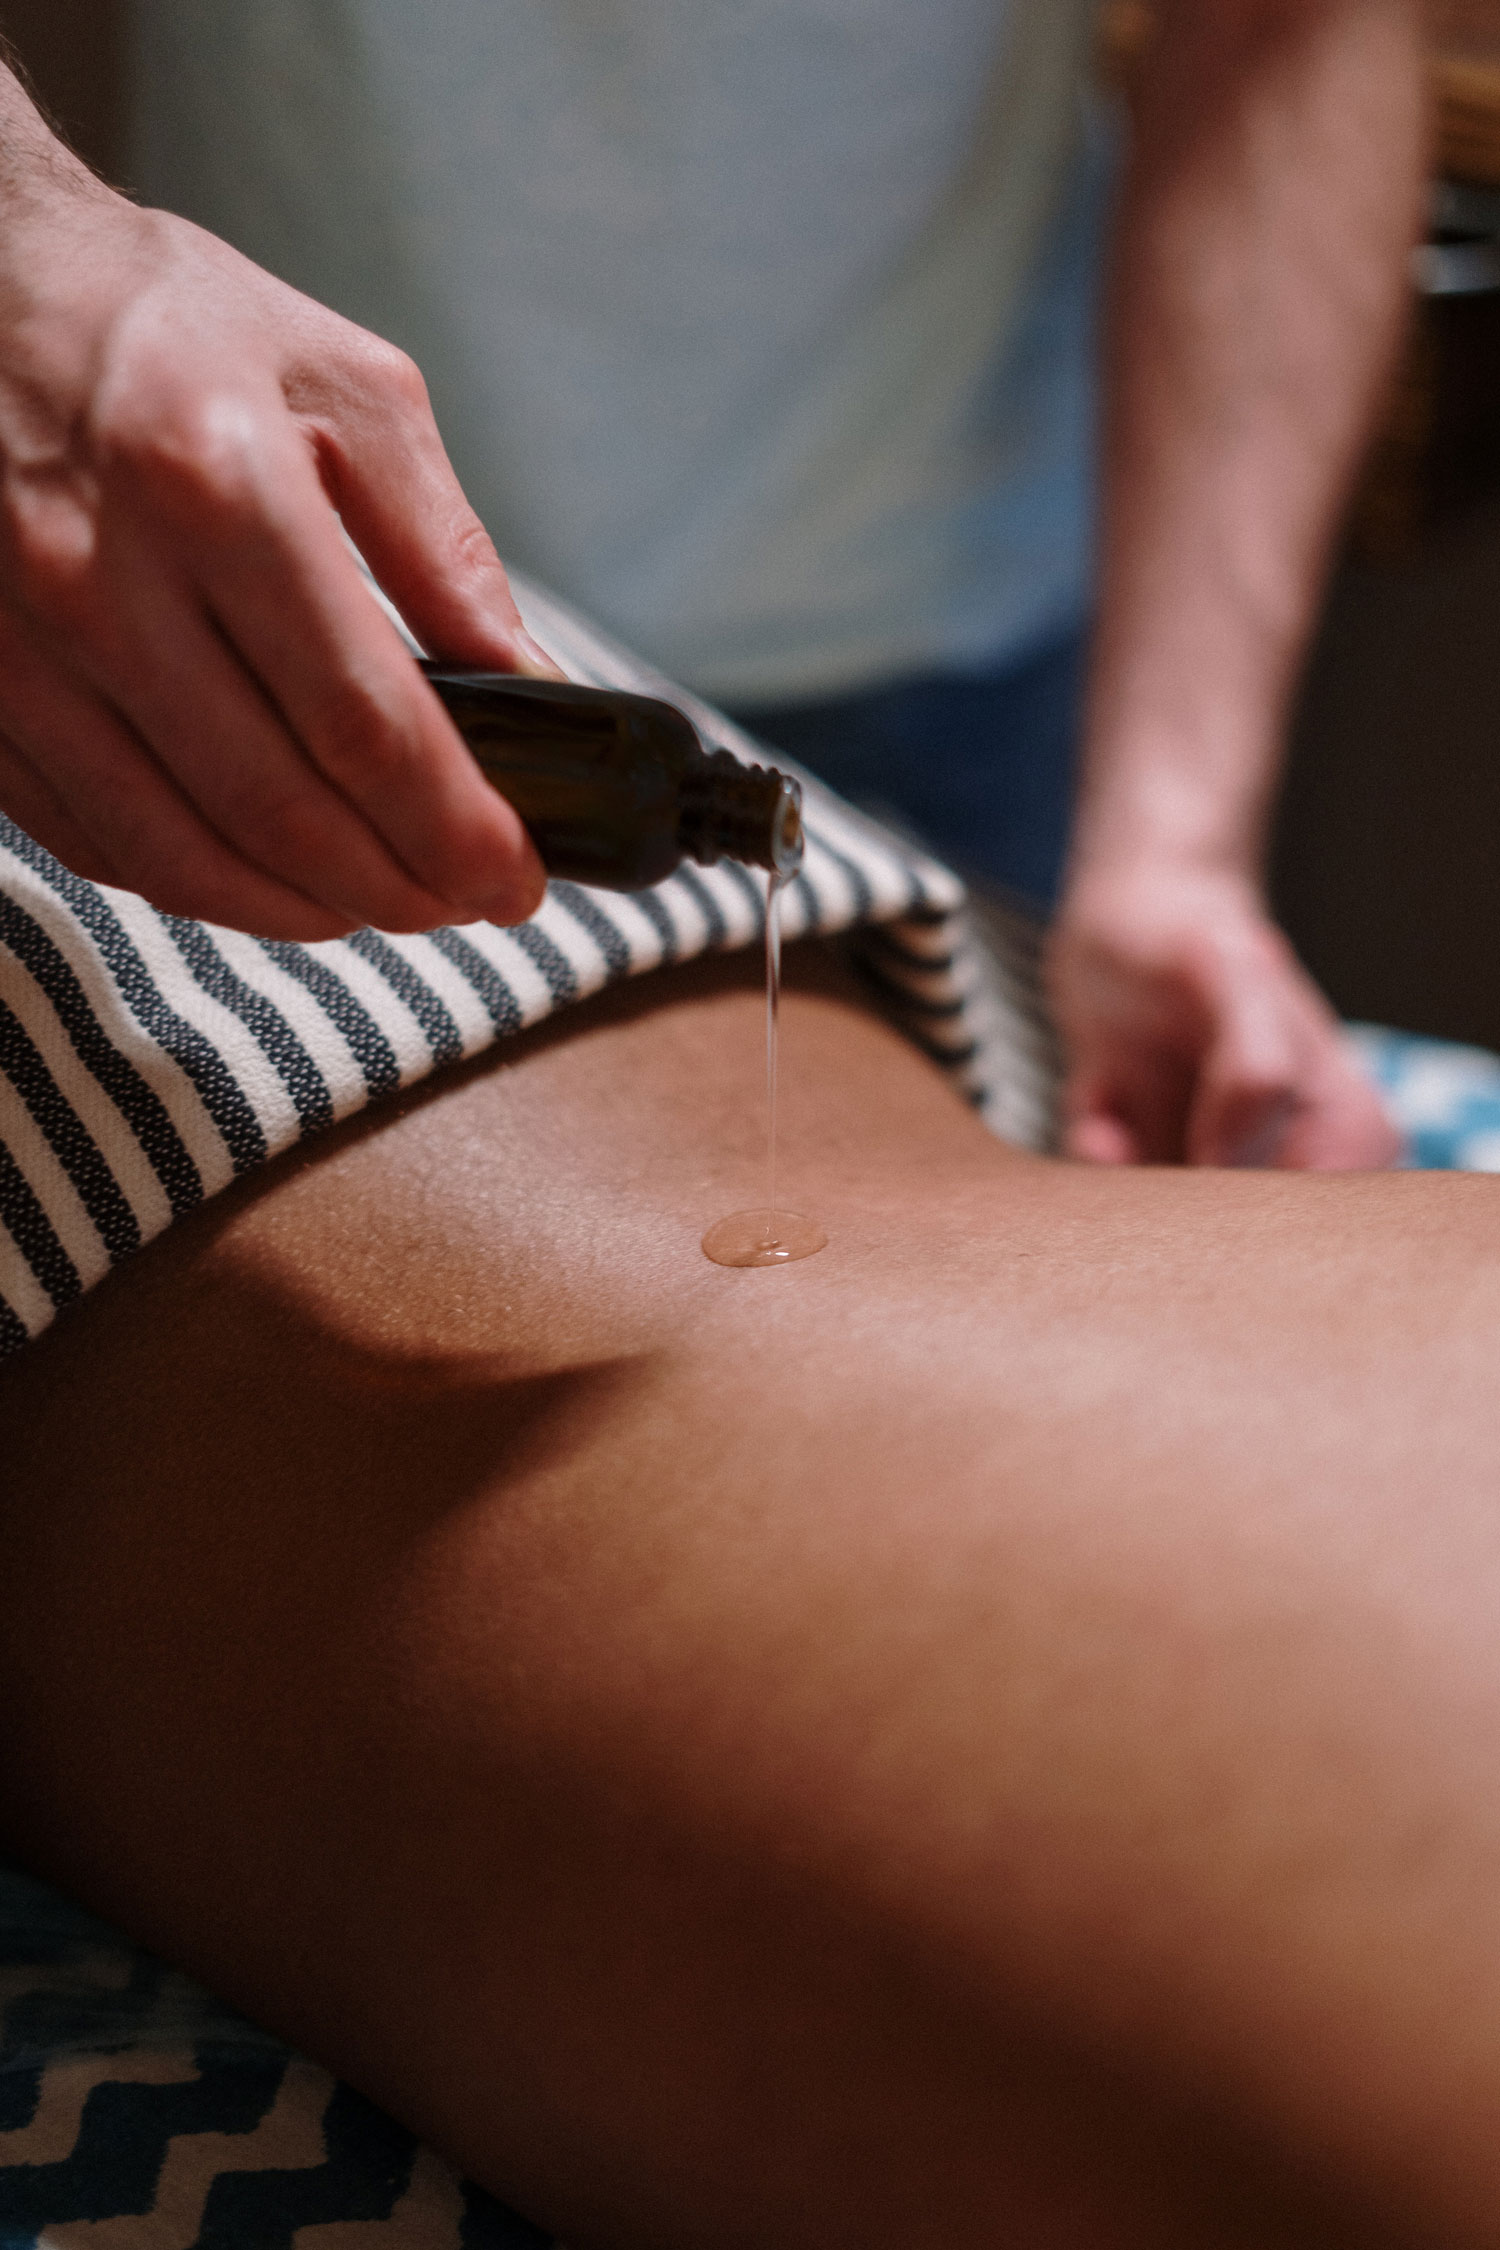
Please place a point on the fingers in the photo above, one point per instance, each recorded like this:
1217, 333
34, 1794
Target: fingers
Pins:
385, 468
233, 757
219, 610
35, 806
1194, 1035
1310, 1110
1129, 1106
1250, 1133
1249, 1080
210, 696
355, 702
1342, 1127
80, 782
1095, 1136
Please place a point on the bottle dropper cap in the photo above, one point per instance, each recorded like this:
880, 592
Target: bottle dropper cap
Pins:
731, 810
788, 836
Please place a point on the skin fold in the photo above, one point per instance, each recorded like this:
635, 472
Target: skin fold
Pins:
990, 1735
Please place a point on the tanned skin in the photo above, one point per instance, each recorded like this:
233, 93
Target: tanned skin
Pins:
989, 1736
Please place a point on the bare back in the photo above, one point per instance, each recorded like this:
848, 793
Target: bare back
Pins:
988, 1735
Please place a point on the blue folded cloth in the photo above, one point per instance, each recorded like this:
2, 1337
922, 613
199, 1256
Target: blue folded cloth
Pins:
1444, 1098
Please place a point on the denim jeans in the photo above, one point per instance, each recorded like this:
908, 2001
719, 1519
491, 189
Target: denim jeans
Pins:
980, 764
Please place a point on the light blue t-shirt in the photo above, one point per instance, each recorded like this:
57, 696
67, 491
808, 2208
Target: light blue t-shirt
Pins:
758, 327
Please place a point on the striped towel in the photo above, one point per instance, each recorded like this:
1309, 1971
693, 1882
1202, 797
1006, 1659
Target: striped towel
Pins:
149, 1060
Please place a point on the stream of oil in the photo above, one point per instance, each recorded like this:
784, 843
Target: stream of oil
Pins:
769, 1236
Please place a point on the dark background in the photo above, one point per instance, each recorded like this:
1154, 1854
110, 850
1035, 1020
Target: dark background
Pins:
1387, 856
72, 51
1387, 862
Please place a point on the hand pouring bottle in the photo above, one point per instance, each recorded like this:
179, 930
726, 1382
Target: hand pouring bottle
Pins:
618, 789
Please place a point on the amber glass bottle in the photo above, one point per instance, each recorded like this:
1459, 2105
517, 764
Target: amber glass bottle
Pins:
617, 789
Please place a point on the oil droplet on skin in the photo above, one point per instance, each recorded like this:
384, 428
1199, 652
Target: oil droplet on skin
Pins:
769, 1237
763, 1238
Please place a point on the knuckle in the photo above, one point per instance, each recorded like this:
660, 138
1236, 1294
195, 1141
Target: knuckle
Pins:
368, 735
51, 546
476, 564
198, 455
395, 371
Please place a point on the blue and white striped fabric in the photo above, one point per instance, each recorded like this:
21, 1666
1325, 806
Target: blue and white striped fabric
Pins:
146, 1061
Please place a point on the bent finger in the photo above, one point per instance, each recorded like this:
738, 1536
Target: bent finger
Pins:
1096, 1127
384, 466
233, 757
237, 498
133, 813
30, 801
1343, 1126
1240, 1118
1098, 1138
367, 718
1141, 1092
1249, 1085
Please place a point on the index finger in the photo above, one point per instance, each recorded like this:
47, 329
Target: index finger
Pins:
276, 575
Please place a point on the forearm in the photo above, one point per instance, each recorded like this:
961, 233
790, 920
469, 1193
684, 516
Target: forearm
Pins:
1258, 281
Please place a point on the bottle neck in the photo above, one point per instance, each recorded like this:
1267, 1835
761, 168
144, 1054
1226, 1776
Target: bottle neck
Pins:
735, 811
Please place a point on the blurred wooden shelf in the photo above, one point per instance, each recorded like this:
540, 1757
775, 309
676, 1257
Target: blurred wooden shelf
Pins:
1466, 92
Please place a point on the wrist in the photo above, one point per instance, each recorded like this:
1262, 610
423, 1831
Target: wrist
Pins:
1113, 897
55, 213
1179, 803
69, 252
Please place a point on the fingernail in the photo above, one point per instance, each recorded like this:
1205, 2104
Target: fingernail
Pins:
534, 656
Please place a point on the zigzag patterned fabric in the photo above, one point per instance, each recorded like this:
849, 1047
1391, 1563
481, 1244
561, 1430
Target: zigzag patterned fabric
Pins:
148, 1060
136, 2113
